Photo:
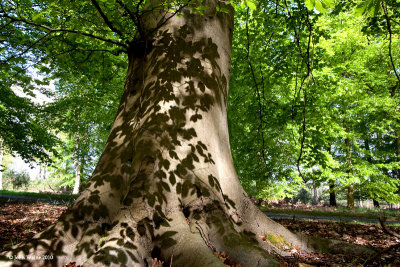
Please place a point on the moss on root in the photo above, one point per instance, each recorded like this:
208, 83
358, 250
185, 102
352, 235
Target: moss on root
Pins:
278, 241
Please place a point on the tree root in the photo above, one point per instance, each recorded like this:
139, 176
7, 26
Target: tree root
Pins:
185, 246
382, 221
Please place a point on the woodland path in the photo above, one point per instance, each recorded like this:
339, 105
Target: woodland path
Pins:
272, 215
32, 199
276, 215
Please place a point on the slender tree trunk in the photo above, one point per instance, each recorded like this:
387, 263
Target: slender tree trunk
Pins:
165, 186
393, 94
332, 194
1, 162
350, 196
76, 165
350, 188
398, 152
369, 160
315, 194
40, 173
82, 168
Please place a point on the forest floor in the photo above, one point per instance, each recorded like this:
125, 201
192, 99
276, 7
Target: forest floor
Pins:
282, 207
21, 221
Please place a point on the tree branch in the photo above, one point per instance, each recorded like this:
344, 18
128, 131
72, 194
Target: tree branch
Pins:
166, 20
133, 17
30, 46
106, 20
260, 107
390, 39
308, 77
64, 30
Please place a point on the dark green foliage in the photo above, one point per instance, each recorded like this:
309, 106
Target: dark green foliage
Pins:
21, 128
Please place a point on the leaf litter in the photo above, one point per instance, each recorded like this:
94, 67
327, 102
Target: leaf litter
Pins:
21, 221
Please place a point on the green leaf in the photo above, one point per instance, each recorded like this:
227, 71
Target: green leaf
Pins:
310, 4
252, 4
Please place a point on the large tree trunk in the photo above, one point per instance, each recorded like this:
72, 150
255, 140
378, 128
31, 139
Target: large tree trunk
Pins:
165, 186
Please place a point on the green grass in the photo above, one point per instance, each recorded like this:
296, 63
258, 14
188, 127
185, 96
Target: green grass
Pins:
66, 197
341, 212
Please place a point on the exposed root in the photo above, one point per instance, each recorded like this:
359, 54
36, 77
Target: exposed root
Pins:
222, 256
187, 247
382, 221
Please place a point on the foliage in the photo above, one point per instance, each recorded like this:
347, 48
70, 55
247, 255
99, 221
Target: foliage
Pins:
304, 196
15, 180
312, 98
85, 102
22, 130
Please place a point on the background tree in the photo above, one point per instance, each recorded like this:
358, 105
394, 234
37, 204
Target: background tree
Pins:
84, 104
344, 101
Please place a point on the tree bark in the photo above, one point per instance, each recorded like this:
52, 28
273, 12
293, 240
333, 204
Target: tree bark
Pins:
350, 187
332, 194
398, 152
315, 194
370, 160
350, 196
77, 169
1, 162
165, 186
376, 203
